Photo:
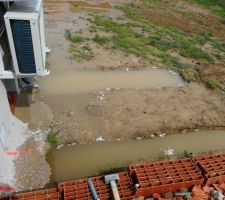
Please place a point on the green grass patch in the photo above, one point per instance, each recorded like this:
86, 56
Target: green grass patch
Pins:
101, 40
80, 53
217, 7
189, 74
218, 45
188, 46
185, 154
213, 84
53, 134
203, 38
73, 38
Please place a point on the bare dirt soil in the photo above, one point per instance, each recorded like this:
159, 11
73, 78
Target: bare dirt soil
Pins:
167, 110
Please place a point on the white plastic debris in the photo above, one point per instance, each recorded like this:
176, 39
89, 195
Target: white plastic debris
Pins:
138, 138
59, 146
184, 131
100, 139
169, 152
162, 135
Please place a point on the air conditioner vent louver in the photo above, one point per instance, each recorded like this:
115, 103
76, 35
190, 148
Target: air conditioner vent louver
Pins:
22, 37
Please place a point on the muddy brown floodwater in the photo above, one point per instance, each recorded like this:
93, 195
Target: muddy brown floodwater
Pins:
83, 81
75, 98
87, 160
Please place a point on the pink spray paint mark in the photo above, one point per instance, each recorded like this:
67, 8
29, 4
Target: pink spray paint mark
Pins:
18, 153
13, 153
6, 188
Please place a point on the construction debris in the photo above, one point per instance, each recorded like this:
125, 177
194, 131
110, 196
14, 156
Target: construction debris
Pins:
166, 180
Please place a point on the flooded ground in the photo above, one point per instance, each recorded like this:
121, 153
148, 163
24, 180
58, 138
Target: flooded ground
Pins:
84, 81
74, 99
87, 160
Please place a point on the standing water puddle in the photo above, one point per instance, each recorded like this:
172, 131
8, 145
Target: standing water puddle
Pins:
87, 160
75, 91
75, 82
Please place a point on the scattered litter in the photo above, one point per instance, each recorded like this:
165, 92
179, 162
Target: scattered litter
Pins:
172, 72
152, 136
138, 138
100, 139
101, 96
184, 131
137, 185
168, 152
186, 195
162, 135
72, 144
59, 146
71, 113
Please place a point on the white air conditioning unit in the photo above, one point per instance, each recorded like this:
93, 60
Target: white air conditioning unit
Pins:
25, 29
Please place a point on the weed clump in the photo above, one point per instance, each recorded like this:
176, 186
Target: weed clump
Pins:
80, 53
213, 84
185, 154
101, 40
73, 38
53, 134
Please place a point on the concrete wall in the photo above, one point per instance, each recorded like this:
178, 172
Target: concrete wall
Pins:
15, 136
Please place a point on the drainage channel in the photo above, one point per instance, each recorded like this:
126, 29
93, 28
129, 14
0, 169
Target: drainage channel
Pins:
78, 161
